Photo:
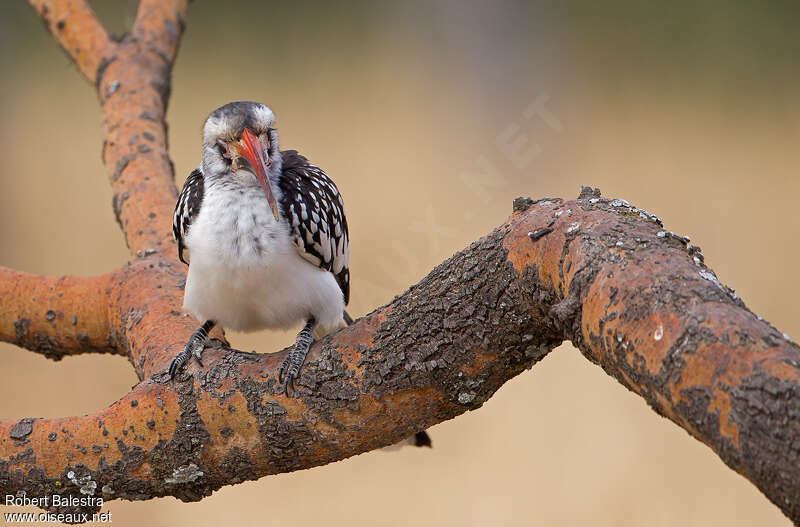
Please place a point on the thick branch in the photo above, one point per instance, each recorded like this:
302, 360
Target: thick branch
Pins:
631, 298
430, 355
160, 24
147, 313
640, 301
133, 83
76, 29
134, 89
55, 316
126, 312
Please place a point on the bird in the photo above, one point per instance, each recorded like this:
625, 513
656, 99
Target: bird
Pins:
265, 237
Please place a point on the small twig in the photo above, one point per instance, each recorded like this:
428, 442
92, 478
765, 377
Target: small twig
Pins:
535, 235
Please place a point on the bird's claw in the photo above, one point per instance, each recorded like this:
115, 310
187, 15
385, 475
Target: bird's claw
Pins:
288, 372
294, 359
289, 383
177, 363
194, 348
197, 352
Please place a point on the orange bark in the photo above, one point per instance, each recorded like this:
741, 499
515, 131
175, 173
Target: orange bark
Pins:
632, 297
76, 29
133, 88
56, 316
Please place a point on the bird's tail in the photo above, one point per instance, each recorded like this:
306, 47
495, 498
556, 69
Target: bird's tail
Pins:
418, 439
422, 439
347, 318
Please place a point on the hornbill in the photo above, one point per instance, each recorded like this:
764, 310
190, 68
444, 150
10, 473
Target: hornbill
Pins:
265, 237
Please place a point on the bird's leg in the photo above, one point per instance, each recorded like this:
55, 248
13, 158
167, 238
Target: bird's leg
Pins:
193, 348
347, 318
294, 360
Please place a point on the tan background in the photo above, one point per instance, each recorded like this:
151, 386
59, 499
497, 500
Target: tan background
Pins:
688, 111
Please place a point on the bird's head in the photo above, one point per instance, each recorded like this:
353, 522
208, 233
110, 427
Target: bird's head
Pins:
239, 141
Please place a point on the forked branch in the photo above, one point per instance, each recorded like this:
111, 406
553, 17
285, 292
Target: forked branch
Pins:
634, 298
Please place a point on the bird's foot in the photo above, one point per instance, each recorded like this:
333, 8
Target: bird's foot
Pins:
291, 365
194, 348
290, 368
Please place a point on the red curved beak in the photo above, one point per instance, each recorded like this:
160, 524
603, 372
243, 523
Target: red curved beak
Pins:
252, 150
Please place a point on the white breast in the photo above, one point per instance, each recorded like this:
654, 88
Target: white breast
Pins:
246, 274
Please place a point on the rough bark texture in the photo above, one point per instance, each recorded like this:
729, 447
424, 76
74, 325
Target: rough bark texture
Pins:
606, 276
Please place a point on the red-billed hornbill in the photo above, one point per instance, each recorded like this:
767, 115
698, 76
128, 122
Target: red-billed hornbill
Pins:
266, 236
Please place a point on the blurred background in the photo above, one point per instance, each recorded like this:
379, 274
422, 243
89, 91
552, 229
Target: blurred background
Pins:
431, 117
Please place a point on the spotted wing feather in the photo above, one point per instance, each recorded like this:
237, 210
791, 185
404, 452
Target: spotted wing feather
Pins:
313, 207
186, 209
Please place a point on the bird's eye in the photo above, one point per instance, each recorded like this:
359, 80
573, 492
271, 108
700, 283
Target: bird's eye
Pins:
222, 146
270, 146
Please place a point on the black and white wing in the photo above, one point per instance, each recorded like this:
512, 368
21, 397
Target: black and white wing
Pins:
186, 209
313, 207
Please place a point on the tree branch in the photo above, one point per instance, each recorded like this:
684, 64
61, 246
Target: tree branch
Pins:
133, 84
160, 24
134, 89
632, 297
76, 29
231, 422
132, 78
55, 316
640, 302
